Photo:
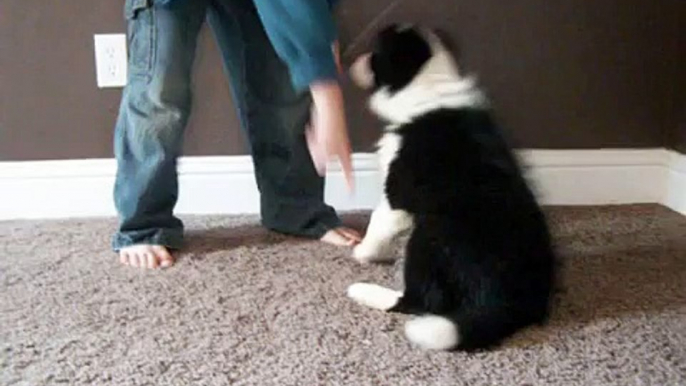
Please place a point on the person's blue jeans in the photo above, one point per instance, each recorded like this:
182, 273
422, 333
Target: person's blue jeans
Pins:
156, 104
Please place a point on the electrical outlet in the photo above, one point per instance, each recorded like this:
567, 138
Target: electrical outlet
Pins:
111, 60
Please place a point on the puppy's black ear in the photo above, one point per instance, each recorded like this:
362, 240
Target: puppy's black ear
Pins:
398, 57
388, 31
404, 27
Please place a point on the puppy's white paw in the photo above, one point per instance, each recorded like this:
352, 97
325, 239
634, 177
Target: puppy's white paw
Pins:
368, 252
433, 332
374, 296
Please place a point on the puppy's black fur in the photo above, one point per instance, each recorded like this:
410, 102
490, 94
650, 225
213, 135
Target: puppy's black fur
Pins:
398, 56
480, 253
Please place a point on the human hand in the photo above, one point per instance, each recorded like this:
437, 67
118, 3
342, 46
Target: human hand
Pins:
327, 136
337, 56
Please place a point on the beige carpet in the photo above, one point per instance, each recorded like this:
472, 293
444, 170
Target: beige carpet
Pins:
247, 307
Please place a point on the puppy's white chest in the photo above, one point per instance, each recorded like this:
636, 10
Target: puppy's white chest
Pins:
387, 149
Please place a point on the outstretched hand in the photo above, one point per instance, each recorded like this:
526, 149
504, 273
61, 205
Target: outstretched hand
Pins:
327, 136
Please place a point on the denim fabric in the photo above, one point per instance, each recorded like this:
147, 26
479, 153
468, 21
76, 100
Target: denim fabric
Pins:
156, 104
332, 3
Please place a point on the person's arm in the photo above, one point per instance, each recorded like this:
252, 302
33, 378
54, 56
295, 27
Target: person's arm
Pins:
303, 33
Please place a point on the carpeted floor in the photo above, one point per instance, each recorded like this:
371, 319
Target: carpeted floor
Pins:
247, 307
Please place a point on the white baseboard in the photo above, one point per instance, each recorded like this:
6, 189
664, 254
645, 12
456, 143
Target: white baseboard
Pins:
597, 177
226, 185
675, 191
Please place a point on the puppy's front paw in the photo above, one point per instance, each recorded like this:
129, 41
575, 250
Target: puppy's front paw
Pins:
374, 296
367, 252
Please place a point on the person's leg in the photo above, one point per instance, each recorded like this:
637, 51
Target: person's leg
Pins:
274, 117
148, 137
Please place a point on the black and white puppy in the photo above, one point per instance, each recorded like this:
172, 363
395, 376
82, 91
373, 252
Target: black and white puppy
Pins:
479, 261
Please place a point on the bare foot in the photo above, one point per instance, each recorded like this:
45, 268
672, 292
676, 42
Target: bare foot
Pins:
146, 256
341, 236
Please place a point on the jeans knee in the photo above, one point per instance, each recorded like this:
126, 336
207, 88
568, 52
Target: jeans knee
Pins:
154, 115
167, 89
163, 92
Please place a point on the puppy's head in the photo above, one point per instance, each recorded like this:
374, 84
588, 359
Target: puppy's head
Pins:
404, 66
398, 55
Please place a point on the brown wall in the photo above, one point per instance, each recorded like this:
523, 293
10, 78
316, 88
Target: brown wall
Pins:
563, 74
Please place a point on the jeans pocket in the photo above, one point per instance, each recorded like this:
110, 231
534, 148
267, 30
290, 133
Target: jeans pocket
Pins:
140, 21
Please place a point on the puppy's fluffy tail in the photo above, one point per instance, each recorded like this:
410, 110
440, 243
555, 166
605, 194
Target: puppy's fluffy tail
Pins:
463, 331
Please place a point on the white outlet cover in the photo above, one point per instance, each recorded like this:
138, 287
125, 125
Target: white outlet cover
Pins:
111, 60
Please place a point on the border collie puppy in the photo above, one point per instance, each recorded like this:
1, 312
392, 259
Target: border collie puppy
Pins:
479, 261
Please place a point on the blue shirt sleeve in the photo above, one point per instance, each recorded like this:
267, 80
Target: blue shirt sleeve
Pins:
302, 33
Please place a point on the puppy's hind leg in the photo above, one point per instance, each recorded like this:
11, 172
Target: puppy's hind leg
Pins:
374, 296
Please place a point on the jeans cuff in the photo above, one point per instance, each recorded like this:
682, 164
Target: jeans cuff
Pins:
313, 226
324, 225
166, 237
